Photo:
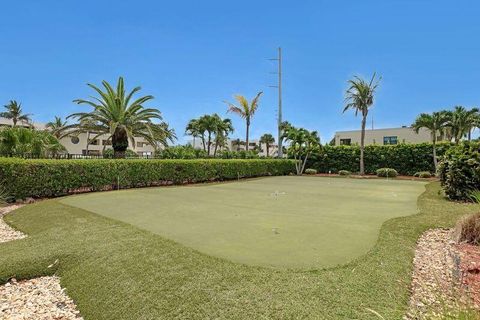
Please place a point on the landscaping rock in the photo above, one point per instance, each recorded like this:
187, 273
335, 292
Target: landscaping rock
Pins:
437, 277
6, 232
36, 299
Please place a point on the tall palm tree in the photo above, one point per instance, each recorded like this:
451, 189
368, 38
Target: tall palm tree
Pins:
15, 113
462, 121
115, 114
359, 97
436, 124
208, 125
56, 127
245, 110
267, 139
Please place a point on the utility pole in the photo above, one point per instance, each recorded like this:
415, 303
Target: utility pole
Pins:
279, 86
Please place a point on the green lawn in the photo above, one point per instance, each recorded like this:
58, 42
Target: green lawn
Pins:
293, 222
114, 270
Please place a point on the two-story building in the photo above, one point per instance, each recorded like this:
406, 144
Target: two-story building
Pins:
385, 136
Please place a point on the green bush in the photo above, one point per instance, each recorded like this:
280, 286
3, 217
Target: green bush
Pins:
108, 154
423, 174
387, 173
405, 158
310, 171
49, 178
459, 171
344, 173
181, 152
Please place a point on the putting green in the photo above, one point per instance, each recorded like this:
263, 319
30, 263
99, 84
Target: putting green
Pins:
293, 222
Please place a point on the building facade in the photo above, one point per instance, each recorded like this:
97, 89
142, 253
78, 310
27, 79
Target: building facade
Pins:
386, 136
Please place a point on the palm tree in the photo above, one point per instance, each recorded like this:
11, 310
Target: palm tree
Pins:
436, 124
193, 129
116, 115
302, 144
268, 140
462, 121
56, 127
245, 110
208, 125
19, 141
224, 128
359, 97
15, 113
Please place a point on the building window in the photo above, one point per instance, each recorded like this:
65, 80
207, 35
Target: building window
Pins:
106, 142
345, 142
75, 140
390, 140
93, 142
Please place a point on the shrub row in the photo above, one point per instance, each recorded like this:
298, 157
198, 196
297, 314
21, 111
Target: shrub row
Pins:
406, 159
460, 171
49, 178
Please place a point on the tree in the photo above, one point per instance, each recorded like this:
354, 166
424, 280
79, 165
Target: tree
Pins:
302, 144
224, 128
116, 115
208, 127
56, 127
15, 113
19, 141
462, 121
193, 129
267, 139
359, 97
245, 110
436, 124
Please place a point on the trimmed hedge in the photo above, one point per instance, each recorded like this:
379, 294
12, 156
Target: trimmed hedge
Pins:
387, 173
405, 158
50, 178
459, 171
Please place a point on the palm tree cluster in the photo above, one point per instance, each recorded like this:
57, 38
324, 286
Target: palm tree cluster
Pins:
212, 130
20, 141
267, 139
448, 125
302, 143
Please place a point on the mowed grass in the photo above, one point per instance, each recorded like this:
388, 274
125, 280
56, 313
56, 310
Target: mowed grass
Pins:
292, 222
114, 270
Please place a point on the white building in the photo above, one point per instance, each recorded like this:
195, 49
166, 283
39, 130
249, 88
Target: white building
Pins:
386, 136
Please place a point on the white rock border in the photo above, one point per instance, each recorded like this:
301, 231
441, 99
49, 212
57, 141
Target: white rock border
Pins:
35, 299
6, 232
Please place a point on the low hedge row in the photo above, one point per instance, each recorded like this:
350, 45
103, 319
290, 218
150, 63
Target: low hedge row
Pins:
459, 171
406, 159
49, 178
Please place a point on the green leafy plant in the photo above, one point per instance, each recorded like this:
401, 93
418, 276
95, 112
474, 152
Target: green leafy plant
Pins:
459, 171
50, 178
310, 171
344, 173
109, 154
387, 173
423, 174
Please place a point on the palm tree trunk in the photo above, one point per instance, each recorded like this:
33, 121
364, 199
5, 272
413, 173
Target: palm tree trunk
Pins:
88, 142
268, 147
434, 144
470, 134
362, 146
248, 129
216, 146
209, 143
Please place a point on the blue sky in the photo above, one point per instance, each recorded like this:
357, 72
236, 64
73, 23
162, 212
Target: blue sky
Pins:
192, 55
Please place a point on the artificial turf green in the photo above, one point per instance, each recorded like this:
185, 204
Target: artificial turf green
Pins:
114, 270
292, 222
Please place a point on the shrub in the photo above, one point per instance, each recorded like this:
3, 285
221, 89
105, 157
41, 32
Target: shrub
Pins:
50, 178
423, 174
467, 230
387, 173
459, 171
310, 171
405, 158
108, 154
344, 173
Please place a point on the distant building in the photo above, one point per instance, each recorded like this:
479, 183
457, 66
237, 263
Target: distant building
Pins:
387, 136
239, 145
77, 144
